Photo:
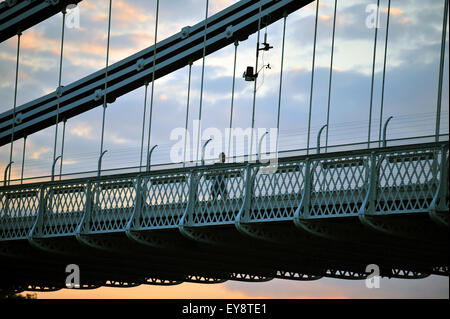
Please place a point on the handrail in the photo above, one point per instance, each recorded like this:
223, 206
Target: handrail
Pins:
92, 174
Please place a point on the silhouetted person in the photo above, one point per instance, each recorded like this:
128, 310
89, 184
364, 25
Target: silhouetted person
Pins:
219, 186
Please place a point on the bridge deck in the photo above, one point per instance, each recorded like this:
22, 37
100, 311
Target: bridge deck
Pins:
398, 192
406, 181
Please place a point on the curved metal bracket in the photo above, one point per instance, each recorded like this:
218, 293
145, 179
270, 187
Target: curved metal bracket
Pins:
143, 237
190, 205
99, 168
137, 206
39, 218
204, 236
203, 150
318, 138
259, 145
87, 212
369, 200
245, 208
385, 130
8, 167
182, 224
149, 157
53, 167
384, 224
259, 232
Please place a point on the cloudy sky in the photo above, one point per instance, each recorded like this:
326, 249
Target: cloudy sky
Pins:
412, 69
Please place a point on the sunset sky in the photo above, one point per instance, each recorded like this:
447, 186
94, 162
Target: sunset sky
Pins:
410, 96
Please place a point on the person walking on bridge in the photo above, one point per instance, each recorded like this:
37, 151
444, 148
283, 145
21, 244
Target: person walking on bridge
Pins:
219, 185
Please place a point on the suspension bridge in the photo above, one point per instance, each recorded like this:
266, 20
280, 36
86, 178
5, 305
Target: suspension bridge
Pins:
325, 211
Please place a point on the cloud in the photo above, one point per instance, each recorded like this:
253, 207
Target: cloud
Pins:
37, 154
394, 11
82, 130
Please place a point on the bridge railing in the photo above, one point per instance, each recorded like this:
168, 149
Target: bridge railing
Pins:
394, 180
236, 159
275, 196
338, 186
162, 199
219, 196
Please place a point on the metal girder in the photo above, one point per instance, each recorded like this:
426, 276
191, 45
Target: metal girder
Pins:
131, 73
16, 16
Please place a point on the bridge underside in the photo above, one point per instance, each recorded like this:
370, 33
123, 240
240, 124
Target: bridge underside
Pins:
333, 248
314, 216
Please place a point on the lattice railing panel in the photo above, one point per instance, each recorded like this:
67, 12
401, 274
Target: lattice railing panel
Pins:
220, 194
164, 200
276, 195
338, 186
407, 181
18, 211
113, 204
65, 205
